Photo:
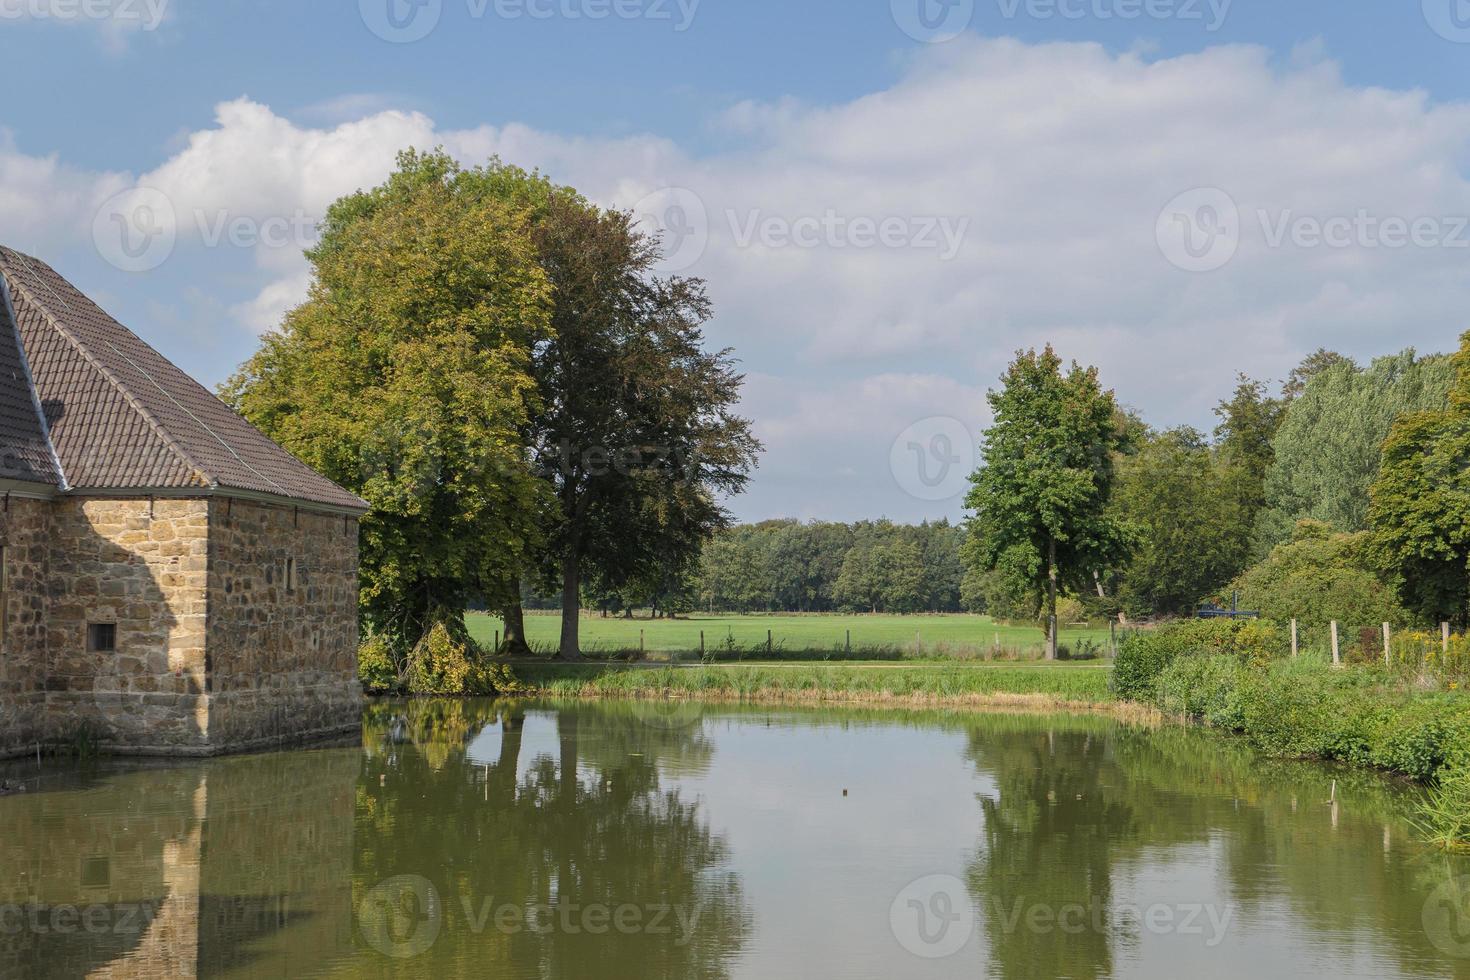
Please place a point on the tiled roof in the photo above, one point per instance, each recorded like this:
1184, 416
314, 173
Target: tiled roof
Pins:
122, 417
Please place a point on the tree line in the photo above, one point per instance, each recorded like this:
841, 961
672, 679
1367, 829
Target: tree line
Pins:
491, 361
1343, 492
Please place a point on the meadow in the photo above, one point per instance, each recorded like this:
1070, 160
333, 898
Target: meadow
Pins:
956, 636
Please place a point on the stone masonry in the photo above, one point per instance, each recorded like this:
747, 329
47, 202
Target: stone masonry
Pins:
216, 648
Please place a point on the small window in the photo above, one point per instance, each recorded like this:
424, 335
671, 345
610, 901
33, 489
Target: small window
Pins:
101, 637
290, 574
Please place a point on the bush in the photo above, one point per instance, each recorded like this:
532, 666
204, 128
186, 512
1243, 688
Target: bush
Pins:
376, 668
439, 664
1205, 687
488, 679
1144, 654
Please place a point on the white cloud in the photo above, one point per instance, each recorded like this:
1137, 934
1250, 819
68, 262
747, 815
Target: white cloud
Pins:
1057, 158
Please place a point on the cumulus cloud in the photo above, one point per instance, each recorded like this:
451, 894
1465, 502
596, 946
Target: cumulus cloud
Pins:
877, 261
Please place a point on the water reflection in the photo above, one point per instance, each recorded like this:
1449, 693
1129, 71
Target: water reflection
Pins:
622, 840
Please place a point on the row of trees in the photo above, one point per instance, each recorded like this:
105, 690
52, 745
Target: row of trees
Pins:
1348, 487
490, 361
870, 566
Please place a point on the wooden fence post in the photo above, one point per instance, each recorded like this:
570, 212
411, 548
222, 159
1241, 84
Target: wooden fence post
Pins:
1444, 637
1387, 647
849, 641
768, 643
640, 642
701, 644
1336, 655
1293, 639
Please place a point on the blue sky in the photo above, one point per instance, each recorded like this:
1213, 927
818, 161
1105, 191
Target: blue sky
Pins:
1028, 172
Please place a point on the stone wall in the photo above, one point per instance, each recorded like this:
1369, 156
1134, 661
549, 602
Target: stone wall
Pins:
282, 659
214, 652
142, 565
25, 528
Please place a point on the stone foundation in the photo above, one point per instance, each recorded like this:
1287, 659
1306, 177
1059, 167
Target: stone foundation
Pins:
216, 650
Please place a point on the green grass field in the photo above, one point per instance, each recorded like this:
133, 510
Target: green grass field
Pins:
909, 636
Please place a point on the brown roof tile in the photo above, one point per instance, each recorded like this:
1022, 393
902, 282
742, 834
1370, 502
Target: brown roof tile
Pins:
121, 416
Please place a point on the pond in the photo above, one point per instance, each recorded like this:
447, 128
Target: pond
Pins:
650, 840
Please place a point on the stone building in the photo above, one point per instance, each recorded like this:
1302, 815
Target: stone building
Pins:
171, 581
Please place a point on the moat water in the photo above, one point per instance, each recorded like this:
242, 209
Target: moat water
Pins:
653, 840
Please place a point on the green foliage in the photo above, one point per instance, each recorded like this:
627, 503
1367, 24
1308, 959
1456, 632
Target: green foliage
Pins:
1248, 424
1041, 494
439, 664
376, 667
486, 678
1419, 517
870, 566
406, 378
1189, 523
1329, 446
1445, 814
1143, 655
1204, 687
1321, 577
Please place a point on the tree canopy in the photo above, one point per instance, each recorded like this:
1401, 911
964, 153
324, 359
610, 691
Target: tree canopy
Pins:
1041, 494
407, 378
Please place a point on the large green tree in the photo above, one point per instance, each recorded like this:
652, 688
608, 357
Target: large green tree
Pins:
1041, 494
407, 377
1180, 499
1419, 515
635, 431
1329, 446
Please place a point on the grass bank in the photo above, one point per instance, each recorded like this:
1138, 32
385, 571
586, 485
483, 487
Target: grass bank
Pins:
815, 636
1040, 686
1403, 719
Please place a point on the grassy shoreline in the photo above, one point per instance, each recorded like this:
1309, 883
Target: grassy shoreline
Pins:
1082, 687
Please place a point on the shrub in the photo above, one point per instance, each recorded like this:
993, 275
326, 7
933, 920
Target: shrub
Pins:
488, 679
439, 664
1205, 687
376, 668
1143, 655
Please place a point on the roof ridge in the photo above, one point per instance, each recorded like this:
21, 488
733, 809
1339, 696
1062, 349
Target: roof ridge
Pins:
25, 366
96, 365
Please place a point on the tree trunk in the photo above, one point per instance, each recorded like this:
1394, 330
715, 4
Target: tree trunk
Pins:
1051, 599
571, 607
515, 644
